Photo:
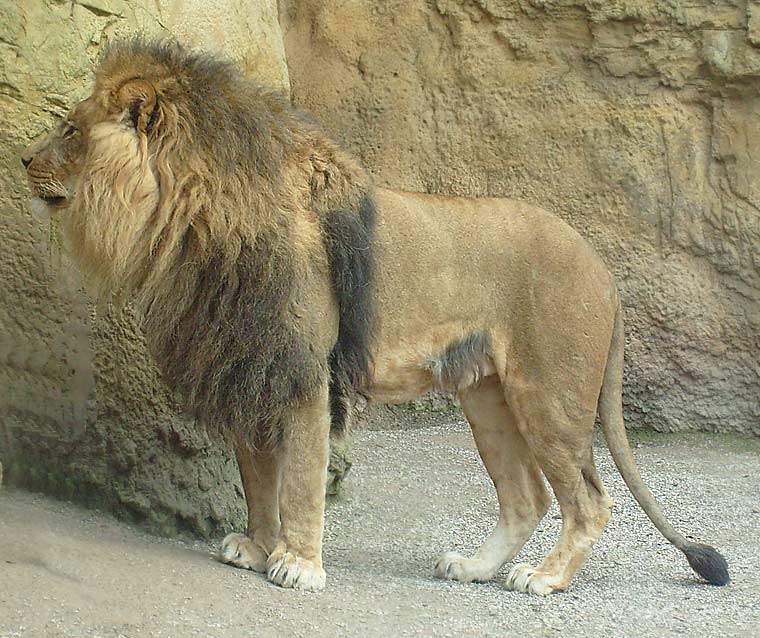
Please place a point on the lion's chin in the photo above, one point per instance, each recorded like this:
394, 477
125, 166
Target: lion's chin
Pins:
44, 208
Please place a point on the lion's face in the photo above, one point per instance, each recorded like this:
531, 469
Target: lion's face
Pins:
97, 167
54, 162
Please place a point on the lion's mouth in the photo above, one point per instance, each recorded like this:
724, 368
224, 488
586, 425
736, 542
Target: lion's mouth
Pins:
55, 201
43, 206
48, 192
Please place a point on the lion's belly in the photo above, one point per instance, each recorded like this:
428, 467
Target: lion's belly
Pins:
449, 269
440, 278
398, 378
411, 365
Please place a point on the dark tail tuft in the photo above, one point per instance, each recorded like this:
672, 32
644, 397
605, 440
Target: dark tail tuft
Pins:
708, 563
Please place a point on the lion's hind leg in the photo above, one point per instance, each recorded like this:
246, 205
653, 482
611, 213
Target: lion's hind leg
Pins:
523, 499
562, 446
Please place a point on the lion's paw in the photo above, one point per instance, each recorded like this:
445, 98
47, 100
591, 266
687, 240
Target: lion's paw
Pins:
526, 579
289, 570
453, 566
241, 551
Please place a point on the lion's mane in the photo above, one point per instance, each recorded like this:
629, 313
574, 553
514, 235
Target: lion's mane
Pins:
200, 220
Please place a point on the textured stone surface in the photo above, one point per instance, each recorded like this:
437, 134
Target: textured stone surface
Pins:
635, 121
82, 411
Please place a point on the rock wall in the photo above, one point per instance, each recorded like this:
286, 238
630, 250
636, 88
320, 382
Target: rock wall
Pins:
82, 411
636, 121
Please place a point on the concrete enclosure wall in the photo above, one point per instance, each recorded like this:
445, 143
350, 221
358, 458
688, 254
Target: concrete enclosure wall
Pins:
635, 121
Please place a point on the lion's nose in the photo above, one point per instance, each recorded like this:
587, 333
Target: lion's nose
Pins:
26, 161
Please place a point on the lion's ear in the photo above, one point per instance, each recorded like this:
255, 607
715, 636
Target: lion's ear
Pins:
137, 101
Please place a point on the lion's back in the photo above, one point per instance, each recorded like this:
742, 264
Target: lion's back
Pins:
476, 241
448, 266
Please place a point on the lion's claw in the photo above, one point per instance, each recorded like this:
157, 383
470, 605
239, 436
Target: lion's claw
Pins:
448, 567
291, 571
453, 566
239, 550
526, 579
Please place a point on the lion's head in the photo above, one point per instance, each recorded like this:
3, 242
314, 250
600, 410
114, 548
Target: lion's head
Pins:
51, 165
114, 114
171, 147
218, 208
99, 167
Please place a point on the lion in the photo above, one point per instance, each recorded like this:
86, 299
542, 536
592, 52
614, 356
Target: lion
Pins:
277, 284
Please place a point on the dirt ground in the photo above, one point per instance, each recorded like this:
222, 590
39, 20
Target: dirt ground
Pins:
65, 571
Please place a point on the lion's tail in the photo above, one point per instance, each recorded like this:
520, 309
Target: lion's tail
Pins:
704, 560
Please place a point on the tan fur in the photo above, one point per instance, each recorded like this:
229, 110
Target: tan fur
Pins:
146, 214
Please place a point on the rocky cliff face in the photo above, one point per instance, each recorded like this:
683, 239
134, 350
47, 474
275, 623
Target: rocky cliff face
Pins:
635, 121
83, 413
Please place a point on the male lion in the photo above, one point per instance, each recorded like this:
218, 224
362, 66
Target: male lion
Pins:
275, 282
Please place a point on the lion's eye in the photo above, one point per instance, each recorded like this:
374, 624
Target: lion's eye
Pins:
70, 131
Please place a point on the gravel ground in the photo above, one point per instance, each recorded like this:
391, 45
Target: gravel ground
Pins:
65, 571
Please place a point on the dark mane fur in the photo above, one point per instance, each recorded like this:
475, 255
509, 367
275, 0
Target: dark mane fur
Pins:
247, 361
349, 247
220, 276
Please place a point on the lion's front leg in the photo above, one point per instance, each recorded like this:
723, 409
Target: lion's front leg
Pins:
296, 560
259, 472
